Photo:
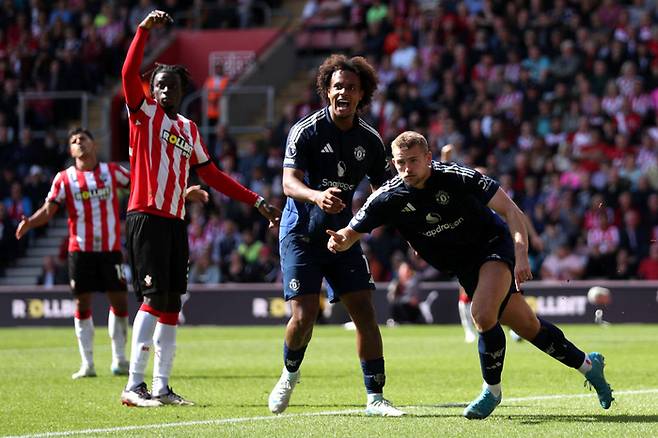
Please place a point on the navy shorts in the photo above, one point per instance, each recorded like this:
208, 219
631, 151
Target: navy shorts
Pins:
500, 248
305, 264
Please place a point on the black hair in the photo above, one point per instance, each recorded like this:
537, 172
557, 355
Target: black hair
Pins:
182, 72
79, 130
358, 65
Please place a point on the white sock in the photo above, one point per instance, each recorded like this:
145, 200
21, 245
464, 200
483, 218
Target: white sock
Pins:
375, 397
117, 327
164, 340
495, 389
84, 330
140, 348
586, 366
466, 318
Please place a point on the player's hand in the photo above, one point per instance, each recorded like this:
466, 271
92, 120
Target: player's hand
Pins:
522, 272
337, 242
196, 194
270, 212
23, 227
329, 201
156, 18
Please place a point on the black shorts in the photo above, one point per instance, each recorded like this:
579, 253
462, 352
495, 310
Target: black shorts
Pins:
158, 254
500, 248
96, 272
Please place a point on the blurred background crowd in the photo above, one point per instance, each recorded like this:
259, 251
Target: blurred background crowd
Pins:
557, 100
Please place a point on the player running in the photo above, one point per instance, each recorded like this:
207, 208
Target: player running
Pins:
451, 215
164, 146
328, 154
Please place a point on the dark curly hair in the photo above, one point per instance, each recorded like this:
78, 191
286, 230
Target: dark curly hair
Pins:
182, 72
357, 65
79, 130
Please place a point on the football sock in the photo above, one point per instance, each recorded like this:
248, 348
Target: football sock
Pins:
373, 375
143, 328
551, 341
465, 316
84, 331
117, 327
292, 359
586, 366
491, 347
164, 341
495, 389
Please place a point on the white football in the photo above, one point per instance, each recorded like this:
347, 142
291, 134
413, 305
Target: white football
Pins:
599, 296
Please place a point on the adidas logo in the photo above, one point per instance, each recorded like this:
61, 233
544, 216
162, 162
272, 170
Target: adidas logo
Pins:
137, 123
327, 149
408, 208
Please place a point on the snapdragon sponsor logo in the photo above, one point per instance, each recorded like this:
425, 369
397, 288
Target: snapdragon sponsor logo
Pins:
341, 185
178, 141
442, 227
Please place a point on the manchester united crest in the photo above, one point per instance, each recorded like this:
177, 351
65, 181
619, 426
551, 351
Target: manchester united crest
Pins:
442, 197
359, 153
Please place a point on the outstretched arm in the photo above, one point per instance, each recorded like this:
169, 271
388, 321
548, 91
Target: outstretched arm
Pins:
38, 219
234, 190
132, 82
342, 240
502, 204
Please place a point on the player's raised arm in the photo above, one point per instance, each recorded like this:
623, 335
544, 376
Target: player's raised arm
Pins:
234, 190
132, 83
342, 240
502, 204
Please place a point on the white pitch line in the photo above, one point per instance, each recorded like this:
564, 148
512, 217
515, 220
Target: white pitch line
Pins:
287, 416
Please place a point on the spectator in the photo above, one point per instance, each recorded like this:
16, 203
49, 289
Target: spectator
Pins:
563, 264
648, 269
52, 273
203, 271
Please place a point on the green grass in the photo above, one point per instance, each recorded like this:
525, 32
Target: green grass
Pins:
431, 374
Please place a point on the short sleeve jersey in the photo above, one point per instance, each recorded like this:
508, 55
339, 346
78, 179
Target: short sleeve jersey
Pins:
447, 222
90, 198
330, 157
162, 151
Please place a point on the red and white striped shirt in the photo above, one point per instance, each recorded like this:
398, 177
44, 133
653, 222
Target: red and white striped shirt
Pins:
92, 205
162, 150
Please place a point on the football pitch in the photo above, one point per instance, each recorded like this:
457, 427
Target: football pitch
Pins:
431, 374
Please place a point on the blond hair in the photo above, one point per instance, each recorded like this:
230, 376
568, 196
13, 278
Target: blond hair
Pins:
408, 139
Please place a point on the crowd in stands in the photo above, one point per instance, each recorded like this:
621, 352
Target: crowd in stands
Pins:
557, 100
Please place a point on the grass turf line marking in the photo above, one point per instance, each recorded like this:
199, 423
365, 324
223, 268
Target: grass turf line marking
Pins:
286, 416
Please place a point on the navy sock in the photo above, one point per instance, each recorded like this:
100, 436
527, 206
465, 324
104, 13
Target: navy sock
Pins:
491, 347
292, 359
551, 341
373, 375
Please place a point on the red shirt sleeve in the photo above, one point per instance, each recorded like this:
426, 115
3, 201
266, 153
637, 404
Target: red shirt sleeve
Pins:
132, 83
221, 182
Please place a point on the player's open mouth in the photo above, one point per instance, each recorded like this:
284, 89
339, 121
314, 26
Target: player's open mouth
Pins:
342, 104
